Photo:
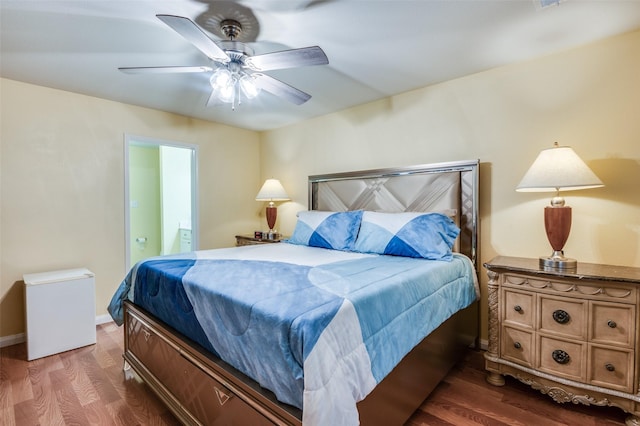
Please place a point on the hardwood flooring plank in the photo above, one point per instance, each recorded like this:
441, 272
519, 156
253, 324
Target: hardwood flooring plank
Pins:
44, 400
6, 395
459, 415
422, 418
99, 380
21, 388
7, 417
476, 397
98, 414
80, 380
25, 413
70, 407
122, 414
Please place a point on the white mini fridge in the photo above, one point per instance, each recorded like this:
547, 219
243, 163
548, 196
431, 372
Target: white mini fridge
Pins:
60, 311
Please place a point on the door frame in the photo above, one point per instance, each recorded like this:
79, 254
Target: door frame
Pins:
130, 139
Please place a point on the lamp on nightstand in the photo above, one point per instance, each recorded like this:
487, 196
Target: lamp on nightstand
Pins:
271, 191
558, 169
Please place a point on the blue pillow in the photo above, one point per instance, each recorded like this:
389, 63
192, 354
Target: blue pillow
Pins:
423, 235
332, 230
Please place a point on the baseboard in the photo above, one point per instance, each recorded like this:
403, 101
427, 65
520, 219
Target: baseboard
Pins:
21, 337
102, 319
484, 344
11, 340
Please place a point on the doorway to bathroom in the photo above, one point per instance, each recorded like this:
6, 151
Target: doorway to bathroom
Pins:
161, 213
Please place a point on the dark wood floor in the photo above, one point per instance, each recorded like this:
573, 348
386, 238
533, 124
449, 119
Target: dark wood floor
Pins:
87, 386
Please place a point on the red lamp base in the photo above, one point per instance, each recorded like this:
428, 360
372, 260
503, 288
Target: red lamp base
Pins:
272, 215
557, 223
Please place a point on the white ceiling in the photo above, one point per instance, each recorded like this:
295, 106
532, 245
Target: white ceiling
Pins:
376, 48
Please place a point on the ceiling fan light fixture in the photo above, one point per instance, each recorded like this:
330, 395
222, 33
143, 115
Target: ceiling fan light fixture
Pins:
221, 77
249, 87
226, 93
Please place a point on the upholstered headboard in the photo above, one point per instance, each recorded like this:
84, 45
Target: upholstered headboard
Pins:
431, 187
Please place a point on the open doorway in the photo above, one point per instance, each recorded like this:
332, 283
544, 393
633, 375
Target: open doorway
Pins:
161, 214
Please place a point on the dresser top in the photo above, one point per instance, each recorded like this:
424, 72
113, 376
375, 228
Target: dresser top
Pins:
584, 271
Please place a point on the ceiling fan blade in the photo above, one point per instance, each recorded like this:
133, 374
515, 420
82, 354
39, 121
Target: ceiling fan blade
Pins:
283, 90
164, 70
293, 58
195, 35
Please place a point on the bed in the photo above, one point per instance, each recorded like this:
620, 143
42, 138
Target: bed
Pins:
354, 320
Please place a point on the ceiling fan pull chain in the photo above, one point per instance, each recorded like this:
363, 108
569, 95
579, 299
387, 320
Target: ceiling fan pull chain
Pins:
233, 97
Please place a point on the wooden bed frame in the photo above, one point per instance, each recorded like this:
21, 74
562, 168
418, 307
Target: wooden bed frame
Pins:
200, 389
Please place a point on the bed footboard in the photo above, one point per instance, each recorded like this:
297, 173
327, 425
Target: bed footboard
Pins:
200, 389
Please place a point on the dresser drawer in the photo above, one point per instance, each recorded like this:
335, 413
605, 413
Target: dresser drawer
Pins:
519, 308
205, 397
612, 324
517, 346
563, 316
611, 368
562, 358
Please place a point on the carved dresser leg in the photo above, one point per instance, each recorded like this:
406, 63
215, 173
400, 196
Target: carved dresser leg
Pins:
496, 379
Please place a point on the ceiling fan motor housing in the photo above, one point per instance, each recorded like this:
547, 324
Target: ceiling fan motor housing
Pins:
231, 28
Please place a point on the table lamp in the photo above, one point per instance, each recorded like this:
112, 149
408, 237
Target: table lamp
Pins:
558, 169
271, 191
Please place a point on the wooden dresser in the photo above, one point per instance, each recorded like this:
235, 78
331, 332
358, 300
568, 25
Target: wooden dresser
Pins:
570, 334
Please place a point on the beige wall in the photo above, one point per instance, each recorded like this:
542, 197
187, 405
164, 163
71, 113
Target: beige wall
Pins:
62, 185
588, 98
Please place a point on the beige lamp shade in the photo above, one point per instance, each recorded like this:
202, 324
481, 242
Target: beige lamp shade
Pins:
558, 169
272, 190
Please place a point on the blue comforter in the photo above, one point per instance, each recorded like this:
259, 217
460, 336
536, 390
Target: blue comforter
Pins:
318, 330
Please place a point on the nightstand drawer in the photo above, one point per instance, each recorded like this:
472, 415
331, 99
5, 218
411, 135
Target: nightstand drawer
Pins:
519, 308
563, 316
517, 346
562, 358
612, 324
611, 368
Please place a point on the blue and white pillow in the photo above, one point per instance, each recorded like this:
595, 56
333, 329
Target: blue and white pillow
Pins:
423, 235
332, 230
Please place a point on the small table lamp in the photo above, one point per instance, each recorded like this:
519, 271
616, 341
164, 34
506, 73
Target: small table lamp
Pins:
555, 169
271, 191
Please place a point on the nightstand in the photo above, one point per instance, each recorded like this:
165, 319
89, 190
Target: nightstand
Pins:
249, 239
570, 334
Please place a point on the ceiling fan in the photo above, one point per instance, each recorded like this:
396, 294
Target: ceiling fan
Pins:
236, 70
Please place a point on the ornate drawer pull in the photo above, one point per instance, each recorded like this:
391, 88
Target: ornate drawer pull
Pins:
517, 345
517, 308
561, 317
612, 324
560, 356
610, 367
